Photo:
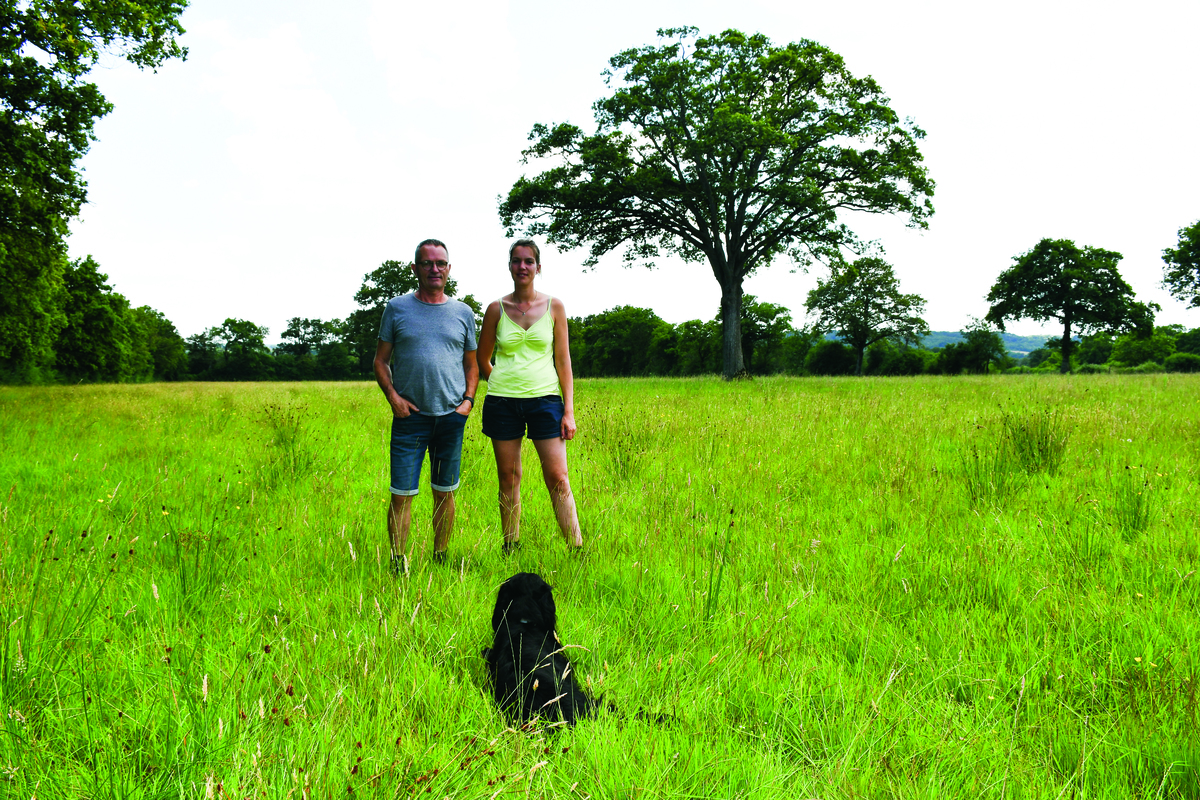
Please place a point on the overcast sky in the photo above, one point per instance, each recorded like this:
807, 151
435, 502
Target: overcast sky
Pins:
302, 143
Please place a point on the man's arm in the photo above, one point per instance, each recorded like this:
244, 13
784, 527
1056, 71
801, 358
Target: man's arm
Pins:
471, 373
383, 376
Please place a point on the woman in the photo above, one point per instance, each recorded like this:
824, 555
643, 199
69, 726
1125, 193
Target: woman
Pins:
529, 389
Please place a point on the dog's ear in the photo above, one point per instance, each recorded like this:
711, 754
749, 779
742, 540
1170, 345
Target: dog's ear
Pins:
504, 598
544, 597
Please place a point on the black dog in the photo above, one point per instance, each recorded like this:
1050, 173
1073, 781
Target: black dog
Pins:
530, 675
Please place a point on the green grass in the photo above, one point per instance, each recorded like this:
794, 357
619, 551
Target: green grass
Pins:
968, 587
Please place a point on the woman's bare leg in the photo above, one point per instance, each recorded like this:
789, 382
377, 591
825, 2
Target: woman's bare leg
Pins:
508, 470
553, 454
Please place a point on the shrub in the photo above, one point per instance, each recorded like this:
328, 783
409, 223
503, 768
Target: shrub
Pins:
830, 358
1094, 369
1133, 350
1182, 362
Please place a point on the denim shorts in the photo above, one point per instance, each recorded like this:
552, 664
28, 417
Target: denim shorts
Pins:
416, 433
506, 418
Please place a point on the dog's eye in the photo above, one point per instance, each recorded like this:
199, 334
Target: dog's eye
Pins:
524, 622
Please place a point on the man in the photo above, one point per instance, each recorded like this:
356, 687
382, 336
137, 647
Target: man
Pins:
425, 365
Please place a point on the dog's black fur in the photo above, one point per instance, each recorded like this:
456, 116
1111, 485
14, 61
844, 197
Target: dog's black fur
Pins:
530, 675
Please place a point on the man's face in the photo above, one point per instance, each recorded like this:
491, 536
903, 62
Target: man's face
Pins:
432, 268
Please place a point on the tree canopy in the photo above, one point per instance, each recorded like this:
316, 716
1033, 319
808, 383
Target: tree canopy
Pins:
725, 149
862, 303
1181, 275
1081, 288
47, 115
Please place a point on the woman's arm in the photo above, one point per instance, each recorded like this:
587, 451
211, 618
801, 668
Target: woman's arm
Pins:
562, 364
487, 340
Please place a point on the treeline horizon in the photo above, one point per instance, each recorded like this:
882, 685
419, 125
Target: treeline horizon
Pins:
105, 339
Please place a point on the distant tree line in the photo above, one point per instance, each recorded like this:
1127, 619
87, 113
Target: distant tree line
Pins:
860, 324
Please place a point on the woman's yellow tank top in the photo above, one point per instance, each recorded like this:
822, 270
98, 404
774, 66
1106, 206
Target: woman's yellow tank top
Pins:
524, 358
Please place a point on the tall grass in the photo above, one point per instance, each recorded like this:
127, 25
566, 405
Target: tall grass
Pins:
195, 597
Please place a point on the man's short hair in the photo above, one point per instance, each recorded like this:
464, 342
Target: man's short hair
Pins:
435, 243
537, 253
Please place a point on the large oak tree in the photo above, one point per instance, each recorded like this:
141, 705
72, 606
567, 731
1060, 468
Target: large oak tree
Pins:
47, 114
1079, 287
725, 149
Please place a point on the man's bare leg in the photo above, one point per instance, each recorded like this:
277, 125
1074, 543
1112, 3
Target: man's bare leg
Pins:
553, 454
399, 522
508, 470
443, 521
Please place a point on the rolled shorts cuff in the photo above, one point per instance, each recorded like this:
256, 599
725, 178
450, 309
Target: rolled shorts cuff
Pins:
453, 488
404, 492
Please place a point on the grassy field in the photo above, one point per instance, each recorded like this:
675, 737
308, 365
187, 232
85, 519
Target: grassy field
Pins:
918, 587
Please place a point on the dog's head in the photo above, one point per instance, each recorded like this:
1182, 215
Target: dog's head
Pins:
526, 600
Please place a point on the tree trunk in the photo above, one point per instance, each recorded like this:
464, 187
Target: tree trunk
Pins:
862, 354
731, 326
1065, 368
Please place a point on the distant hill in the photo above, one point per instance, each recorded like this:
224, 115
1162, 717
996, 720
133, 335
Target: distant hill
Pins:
1017, 345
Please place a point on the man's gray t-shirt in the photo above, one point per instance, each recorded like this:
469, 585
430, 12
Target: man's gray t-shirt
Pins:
429, 341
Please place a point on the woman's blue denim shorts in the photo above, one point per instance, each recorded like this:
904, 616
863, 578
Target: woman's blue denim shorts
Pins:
412, 436
507, 418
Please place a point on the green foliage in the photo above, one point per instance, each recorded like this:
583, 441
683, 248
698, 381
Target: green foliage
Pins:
698, 347
1188, 342
875, 633
1181, 273
304, 337
830, 357
1080, 288
168, 351
47, 115
764, 328
104, 339
725, 149
1182, 362
1096, 348
980, 350
621, 341
862, 303
1131, 350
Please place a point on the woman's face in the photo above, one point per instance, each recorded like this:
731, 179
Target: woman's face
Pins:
523, 264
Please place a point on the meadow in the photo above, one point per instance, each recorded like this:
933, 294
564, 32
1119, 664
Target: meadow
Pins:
924, 587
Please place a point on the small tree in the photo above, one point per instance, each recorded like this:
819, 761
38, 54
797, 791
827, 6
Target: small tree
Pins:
304, 337
731, 151
981, 347
1181, 276
862, 304
246, 355
1080, 288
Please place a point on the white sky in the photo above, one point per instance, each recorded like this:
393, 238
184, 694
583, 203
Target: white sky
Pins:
303, 143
